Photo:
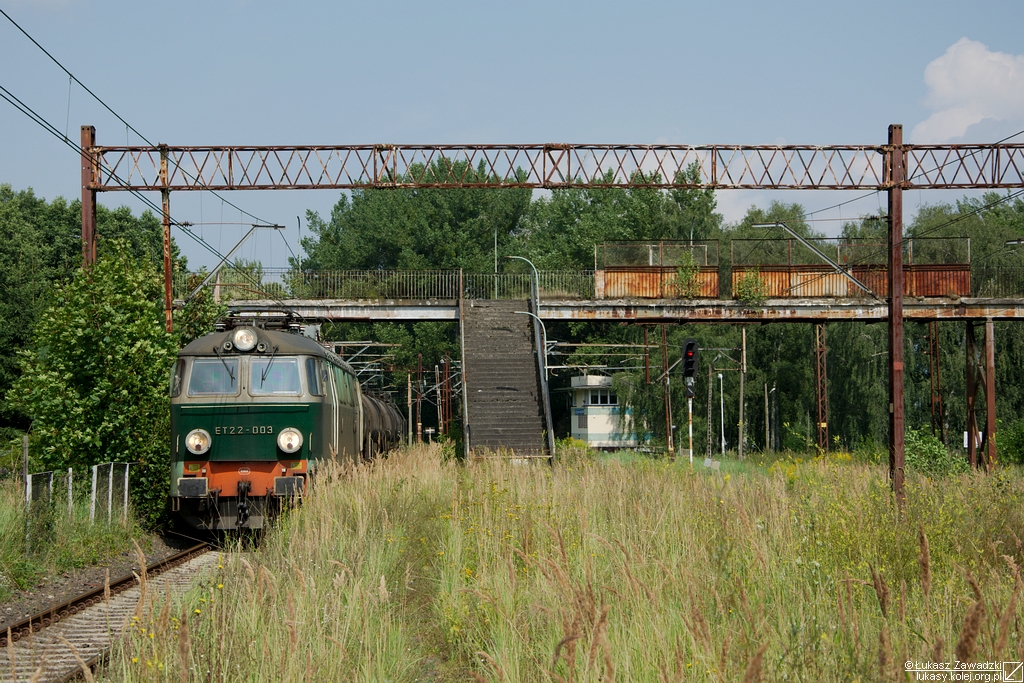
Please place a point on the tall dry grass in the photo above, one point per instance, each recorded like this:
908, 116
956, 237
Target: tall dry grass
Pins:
418, 569
57, 540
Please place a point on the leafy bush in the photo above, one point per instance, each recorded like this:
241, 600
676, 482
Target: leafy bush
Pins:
751, 288
94, 380
1010, 444
927, 455
687, 280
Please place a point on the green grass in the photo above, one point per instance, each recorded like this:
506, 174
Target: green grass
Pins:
646, 570
58, 542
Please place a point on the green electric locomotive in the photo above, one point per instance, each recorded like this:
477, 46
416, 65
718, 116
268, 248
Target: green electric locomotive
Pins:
254, 411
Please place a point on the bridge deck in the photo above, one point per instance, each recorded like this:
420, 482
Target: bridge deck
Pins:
654, 310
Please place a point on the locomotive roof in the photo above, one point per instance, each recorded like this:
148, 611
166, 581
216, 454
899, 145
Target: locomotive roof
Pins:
287, 343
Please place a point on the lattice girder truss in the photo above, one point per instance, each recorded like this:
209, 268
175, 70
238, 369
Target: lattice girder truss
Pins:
553, 166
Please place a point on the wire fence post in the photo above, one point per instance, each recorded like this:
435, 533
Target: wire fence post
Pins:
28, 511
124, 510
110, 491
92, 497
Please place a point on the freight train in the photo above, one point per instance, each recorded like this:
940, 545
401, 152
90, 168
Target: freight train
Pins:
255, 410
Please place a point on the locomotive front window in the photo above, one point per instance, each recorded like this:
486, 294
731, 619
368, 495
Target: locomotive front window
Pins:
275, 377
313, 377
211, 376
177, 375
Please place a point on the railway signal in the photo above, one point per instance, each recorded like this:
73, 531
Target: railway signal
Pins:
690, 349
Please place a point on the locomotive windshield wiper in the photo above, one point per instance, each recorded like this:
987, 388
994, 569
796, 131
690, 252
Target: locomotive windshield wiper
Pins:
226, 366
263, 375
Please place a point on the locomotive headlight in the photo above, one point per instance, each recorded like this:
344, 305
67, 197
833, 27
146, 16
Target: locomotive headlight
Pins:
198, 441
289, 440
245, 339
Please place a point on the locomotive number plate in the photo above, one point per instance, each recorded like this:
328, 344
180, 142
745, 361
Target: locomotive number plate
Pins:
244, 430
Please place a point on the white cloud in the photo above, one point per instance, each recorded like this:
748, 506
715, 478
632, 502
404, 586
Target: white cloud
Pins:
971, 85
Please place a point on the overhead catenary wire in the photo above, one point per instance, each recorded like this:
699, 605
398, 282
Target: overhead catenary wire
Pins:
878, 192
115, 114
181, 225
928, 231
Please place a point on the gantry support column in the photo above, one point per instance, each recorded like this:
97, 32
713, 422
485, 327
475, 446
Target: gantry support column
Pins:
984, 379
895, 169
971, 372
990, 394
165, 196
89, 166
935, 376
821, 381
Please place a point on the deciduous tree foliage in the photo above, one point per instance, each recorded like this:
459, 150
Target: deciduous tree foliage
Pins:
94, 379
417, 229
40, 246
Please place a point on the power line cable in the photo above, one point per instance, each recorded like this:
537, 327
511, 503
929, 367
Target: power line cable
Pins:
118, 116
921, 172
50, 128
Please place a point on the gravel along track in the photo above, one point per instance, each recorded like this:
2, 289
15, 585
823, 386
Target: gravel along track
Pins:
56, 653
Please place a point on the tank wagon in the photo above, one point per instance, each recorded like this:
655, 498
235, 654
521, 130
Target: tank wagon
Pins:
254, 412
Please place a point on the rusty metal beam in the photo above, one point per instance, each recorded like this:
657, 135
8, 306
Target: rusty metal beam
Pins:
653, 310
165, 204
778, 310
88, 196
895, 173
821, 383
551, 166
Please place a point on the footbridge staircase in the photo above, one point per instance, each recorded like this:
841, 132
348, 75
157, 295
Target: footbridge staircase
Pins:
505, 410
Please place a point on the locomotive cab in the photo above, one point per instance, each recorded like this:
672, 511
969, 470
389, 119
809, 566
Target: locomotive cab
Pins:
253, 413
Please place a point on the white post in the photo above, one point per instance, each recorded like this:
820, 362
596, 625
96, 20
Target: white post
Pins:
110, 491
689, 406
70, 495
721, 399
28, 510
124, 510
92, 498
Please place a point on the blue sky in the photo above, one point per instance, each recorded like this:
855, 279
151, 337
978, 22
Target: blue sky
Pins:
246, 72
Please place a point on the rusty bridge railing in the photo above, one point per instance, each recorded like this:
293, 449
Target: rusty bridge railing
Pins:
283, 283
924, 277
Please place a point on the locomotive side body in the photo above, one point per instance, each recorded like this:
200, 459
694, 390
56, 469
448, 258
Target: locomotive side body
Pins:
253, 414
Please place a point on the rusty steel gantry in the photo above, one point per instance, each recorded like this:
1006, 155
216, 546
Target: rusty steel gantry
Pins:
891, 167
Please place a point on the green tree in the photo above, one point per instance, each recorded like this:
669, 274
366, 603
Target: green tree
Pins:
417, 229
560, 231
40, 246
94, 378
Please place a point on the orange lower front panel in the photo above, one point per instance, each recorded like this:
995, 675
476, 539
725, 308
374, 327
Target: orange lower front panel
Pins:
225, 476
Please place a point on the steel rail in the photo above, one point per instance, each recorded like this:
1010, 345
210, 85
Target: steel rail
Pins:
37, 622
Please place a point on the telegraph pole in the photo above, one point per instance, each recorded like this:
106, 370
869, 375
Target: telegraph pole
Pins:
743, 376
895, 171
669, 441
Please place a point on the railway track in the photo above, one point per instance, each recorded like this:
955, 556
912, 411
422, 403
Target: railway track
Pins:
55, 644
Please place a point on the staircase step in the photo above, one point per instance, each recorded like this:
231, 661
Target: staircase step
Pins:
503, 399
